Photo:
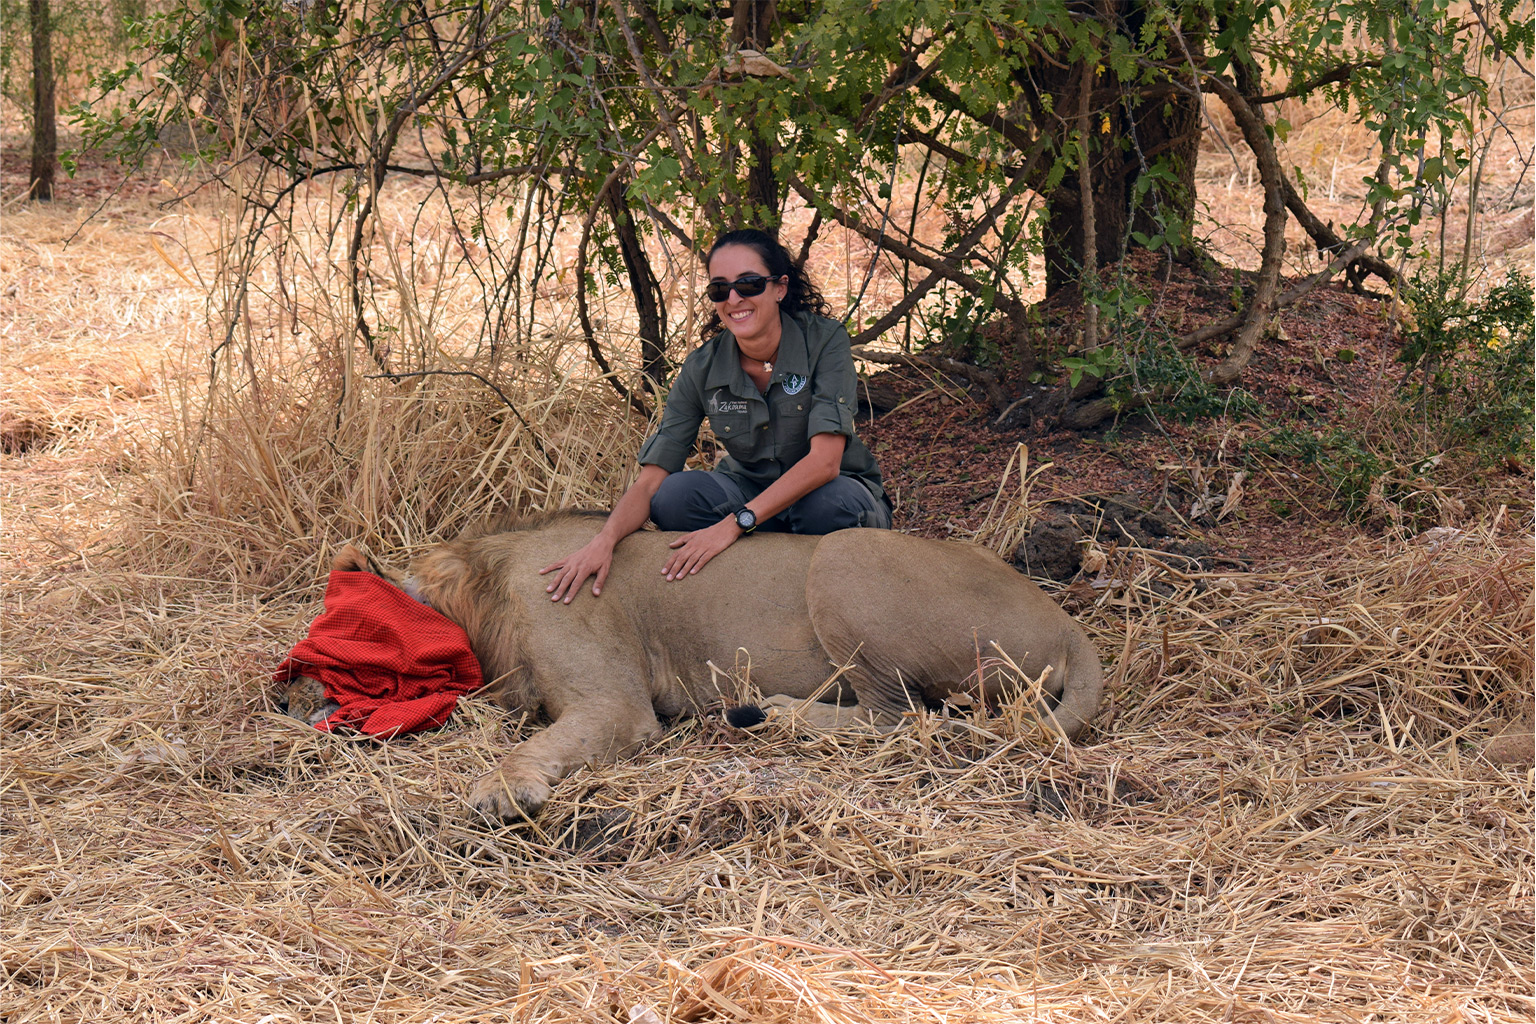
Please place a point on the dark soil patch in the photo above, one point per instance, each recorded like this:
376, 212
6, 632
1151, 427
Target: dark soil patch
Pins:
1330, 366
96, 179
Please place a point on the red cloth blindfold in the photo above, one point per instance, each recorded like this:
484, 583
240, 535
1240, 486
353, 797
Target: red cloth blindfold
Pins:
393, 664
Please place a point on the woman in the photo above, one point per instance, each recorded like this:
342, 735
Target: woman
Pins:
775, 378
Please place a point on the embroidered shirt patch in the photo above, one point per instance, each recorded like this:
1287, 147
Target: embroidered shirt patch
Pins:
795, 383
729, 405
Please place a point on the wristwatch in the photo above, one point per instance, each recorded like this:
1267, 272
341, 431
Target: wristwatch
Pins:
746, 519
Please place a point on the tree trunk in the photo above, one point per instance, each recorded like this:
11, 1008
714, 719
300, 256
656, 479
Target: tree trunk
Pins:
1250, 120
751, 22
1174, 135
1166, 129
645, 290
1160, 127
45, 136
1065, 231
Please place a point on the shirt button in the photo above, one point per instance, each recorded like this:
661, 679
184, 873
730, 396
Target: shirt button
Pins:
840, 400
727, 430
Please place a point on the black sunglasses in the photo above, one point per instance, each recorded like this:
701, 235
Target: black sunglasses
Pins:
747, 285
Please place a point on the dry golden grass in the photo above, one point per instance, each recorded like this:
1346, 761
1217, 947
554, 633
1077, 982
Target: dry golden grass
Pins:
1283, 814
254, 462
1283, 817
93, 328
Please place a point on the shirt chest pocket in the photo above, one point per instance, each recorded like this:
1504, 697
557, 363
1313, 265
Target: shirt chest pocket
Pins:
791, 414
734, 431
789, 408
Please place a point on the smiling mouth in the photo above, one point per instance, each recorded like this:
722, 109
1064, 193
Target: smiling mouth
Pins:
741, 315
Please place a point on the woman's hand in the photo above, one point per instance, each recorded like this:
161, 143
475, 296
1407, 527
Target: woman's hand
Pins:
692, 551
595, 558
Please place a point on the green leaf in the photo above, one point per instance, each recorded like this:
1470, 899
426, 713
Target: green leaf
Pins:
667, 168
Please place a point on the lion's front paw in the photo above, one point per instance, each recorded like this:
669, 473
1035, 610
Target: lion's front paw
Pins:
501, 795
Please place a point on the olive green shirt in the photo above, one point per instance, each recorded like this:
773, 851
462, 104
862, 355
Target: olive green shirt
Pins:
814, 390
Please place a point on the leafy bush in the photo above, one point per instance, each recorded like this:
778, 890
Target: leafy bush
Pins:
1142, 367
1349, 465
1469, 364
1181, 392
1467, 397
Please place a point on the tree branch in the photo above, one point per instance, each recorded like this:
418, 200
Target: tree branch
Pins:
1089, 283
903, 77
380, 150
684, 154
1289, 298
1014, 133
975, 374
1327, 241
948, 266
1482, 19
672, 227
1259, 310
950, 153
1342, 73
895, 313
583, 314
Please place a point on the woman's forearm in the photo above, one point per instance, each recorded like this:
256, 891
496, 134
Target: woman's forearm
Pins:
819, 466
634, 507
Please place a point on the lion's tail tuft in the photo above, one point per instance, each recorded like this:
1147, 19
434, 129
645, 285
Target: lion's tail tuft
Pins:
746, 716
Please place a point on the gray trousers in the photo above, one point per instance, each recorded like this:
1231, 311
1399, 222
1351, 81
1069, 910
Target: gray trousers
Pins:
694, 499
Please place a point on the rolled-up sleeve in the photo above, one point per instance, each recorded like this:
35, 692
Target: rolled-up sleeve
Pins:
834, 387
680, 420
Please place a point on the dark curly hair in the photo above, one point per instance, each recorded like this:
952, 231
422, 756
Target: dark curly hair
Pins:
803, 294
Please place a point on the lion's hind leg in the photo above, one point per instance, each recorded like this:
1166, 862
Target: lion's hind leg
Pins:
940, 614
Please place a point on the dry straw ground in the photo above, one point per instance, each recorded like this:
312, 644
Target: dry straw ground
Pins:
1284, 814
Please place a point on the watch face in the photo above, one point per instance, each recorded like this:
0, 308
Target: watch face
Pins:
745, 519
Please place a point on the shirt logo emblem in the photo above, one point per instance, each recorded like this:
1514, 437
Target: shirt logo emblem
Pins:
795, 383
716, 406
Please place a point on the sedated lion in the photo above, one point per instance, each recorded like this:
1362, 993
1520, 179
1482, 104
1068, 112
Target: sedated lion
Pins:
908, 621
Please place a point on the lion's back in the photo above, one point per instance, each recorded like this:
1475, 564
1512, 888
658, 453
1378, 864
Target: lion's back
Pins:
747, 606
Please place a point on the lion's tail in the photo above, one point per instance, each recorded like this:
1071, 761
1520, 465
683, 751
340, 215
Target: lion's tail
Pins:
746, 716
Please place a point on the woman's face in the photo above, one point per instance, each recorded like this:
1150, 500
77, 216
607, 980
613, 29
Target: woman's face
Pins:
754, 319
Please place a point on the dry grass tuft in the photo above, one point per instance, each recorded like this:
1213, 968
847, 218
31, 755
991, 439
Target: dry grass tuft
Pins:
1011, 515
259, 493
